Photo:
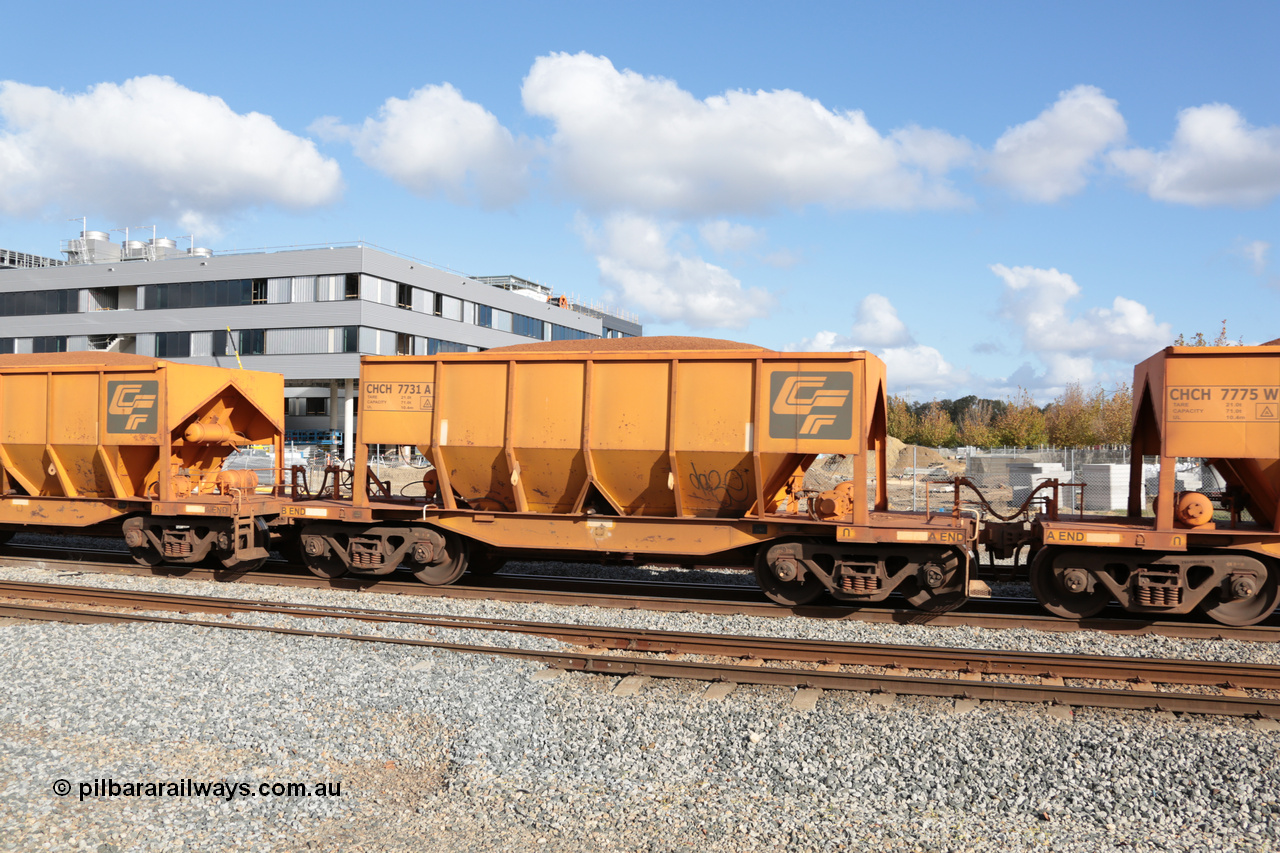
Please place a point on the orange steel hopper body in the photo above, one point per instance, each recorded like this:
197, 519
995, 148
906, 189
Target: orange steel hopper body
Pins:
1215, 552
700, 434
88, 438
672, 449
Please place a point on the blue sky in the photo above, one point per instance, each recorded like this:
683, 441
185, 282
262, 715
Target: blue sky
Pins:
987, 195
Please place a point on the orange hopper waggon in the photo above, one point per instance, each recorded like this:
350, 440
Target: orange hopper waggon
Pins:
92, 439
1214, 553
679, 450
684, 451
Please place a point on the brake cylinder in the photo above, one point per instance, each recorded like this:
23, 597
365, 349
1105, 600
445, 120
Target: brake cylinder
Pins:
210, 433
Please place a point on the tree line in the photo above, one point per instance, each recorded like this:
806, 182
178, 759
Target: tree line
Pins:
1076, 418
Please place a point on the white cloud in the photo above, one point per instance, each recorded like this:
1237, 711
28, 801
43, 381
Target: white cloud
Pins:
1215, 158
151, 147
724, 236
822, 342
1255, 252
912, 369
638, 265
1050, 157
437, 142
921, 371
623, 140
1036, 301
877, 323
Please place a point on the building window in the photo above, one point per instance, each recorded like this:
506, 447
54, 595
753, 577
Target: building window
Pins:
39, 302
52, 343
202, 294
437, 304
352, 286
253, 341
484, 316
350, 338
404, 297
527, 326
435, 346
173, 344
6, 346
259, 291
307, 406
404, 344
564, 333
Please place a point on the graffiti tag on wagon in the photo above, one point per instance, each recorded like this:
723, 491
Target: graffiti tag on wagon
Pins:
717, 485
398, 396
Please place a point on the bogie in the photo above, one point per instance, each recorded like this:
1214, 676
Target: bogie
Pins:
1234, 588
332, 550
798, 571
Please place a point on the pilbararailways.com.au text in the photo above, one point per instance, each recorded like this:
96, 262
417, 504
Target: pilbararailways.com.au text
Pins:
223, 789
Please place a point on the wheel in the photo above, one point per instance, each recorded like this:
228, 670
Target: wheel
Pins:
1249, 610
1048, 582
791, 593
141, 548
320, 560
948, 593
447, 558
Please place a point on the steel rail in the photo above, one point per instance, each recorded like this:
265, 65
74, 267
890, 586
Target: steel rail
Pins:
974, 661
738, 674
546, 593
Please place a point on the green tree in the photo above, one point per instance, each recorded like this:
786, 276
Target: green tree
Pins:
1071, 420
934, 427
975, 425
1022, 423
1116, 416
902, 421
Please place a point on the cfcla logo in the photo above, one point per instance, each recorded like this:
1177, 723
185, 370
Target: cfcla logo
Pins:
132, 406
811, 405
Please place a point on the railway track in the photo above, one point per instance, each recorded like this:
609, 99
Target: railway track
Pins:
731, 599
736, 659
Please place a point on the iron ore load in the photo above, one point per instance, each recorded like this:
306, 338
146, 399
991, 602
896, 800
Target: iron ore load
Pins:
684, 451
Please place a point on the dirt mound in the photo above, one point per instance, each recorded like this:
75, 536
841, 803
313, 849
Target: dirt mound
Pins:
893, 448
924, 457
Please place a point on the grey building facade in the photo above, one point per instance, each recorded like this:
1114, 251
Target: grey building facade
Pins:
308, 314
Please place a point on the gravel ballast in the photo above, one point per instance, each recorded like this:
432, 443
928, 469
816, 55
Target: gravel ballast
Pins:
440, 751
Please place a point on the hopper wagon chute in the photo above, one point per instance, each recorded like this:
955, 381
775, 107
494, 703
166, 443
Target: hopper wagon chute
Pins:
93, 438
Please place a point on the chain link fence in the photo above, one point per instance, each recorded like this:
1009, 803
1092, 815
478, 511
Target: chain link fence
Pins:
1094, 481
